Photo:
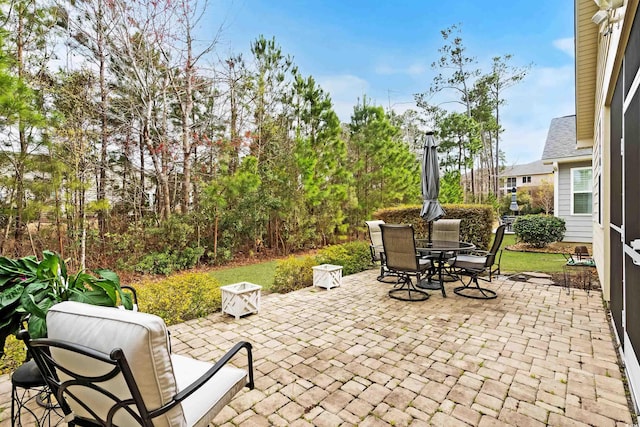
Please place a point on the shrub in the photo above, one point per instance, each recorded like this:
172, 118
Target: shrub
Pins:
539, 230
293, 274
14, 355
477, 221
168, 262
181, 297
354, 257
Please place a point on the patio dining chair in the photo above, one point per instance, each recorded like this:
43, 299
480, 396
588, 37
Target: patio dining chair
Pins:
448, 230
474, 265
377, 249
111, 367
403, 260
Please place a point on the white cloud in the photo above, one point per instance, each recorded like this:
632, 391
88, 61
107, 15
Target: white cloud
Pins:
566, 45
345, 90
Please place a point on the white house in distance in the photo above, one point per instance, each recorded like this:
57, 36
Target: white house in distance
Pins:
527, 176
572, 182
607, 46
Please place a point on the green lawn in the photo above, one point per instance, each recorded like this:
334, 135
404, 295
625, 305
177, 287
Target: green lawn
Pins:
514, 262
260, 274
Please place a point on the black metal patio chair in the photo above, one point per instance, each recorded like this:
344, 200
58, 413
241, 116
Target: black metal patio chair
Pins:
476, 263
403, 260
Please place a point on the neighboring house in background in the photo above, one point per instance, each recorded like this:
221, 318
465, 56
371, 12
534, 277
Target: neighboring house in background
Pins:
608, 123
573, 183
525, 177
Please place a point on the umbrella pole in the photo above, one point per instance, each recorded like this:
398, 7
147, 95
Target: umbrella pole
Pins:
429, 230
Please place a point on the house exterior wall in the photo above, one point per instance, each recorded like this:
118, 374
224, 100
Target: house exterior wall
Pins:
536, 181
579, 227
616, 172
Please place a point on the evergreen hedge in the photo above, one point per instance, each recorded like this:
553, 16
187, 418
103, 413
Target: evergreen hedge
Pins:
475, 227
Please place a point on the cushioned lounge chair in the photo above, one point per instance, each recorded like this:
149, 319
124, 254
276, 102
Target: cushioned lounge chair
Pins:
113, 367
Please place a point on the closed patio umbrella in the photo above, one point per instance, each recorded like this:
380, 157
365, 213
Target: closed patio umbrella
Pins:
431, 209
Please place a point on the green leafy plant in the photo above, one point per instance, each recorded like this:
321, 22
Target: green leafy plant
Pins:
28, 288
170, 261
539, 230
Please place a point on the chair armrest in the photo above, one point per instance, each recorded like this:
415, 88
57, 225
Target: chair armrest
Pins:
215, 368
478, 252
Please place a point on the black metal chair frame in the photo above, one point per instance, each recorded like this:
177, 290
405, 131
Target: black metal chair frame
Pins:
404, 288
30, 380
474, 274
40, 350
28, 392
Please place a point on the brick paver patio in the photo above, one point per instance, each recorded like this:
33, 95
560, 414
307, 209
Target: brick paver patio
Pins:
534, 356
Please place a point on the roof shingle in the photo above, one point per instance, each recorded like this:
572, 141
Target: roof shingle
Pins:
561, 140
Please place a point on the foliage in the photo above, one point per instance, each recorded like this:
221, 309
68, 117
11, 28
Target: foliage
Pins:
470, 139
451, 188
542, 196
28, 288
14, 355
385, 171
524, 201
354, 257
170, 261
293, 273
180, 297
476, 225
539, 230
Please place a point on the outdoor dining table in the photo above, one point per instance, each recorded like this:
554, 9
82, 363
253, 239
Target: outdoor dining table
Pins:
436, 250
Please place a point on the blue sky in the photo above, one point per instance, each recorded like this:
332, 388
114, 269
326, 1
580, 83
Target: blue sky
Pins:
384, 49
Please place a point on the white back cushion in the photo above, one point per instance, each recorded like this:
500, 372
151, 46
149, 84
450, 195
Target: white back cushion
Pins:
143, 338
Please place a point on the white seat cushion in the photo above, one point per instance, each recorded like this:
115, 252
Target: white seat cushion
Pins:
202, 406
143, 338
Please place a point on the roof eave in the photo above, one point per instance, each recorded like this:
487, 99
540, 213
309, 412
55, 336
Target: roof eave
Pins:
586, 53
573, 159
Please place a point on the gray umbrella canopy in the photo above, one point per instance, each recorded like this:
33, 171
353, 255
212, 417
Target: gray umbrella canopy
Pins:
431, 209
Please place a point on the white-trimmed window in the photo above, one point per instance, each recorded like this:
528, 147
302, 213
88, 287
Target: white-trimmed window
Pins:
511, 182
526, 180
581, 191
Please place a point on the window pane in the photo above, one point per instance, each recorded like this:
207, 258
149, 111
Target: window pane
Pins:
582, 180
582, 203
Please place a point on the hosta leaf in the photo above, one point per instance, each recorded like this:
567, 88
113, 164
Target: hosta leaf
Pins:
108, 288
30, 264
126, 299
80, 280
30, 305
11, 295
109, 276
37, 327
96, 297
6, 279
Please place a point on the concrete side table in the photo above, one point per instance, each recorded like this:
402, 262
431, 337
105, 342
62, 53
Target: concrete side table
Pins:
240, 299
327, 276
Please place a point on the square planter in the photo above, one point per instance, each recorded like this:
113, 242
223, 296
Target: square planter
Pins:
240, 299
327, 276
